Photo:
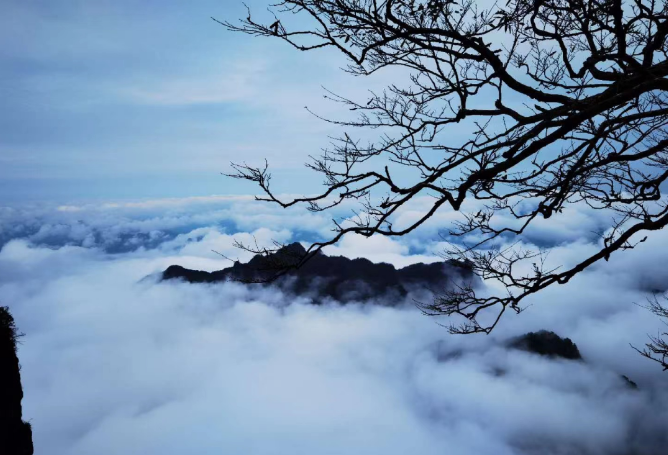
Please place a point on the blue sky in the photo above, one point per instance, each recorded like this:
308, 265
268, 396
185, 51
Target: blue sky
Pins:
132, 99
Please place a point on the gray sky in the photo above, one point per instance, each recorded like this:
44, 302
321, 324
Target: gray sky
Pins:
131, 99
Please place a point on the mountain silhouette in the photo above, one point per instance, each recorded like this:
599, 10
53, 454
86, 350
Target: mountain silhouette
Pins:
335, 277
548, 344
15, 434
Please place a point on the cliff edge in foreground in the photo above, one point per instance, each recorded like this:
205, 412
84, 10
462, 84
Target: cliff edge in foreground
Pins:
15, 434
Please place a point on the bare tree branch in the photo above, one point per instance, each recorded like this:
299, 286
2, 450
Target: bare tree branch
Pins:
524, 108
657, 347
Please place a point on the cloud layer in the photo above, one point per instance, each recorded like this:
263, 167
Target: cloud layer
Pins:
113, 364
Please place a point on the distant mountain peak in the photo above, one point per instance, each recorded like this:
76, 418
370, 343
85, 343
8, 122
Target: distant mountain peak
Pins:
336, 277
548, 344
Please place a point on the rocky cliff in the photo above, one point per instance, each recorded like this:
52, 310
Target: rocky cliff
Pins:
15, 434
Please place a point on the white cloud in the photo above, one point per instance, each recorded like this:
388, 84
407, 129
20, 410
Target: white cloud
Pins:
377, 249
116, 365
126, 226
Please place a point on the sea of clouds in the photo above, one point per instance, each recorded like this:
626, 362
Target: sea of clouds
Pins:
113, 363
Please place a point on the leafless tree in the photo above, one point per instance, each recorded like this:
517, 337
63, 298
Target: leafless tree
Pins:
565, 101
657, 347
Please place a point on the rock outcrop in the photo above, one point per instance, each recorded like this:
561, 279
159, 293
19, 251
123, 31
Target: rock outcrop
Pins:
548, 344
552, 345
15, 434
335, 277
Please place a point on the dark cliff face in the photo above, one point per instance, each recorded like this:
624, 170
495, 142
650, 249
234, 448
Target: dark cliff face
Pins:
336, 277
15, 434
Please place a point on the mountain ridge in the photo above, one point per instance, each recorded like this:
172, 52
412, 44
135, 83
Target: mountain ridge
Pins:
336, 277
